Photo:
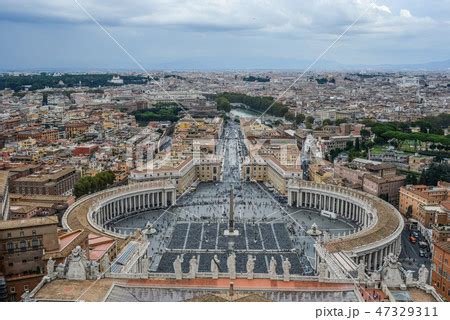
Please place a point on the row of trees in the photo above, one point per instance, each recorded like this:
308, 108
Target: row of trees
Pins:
223, 104
325, 80
256, 79
417, 136
260, 104
297, 119
43, 80
329, 122
430, 176
431, 124
161, 112
88, 184
435, 172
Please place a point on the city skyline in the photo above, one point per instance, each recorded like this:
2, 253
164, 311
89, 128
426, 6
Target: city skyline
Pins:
226, 151
221, 35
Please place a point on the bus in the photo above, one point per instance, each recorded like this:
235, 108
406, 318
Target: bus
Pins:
328, 214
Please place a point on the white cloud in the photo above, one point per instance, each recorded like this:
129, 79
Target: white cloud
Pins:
292, 17
405, 13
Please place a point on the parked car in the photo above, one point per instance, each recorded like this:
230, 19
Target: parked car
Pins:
424, 246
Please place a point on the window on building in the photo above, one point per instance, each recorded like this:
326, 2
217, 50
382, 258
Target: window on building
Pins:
22, 233
25, 288
34, 232
9, 234
12, 289
35, 243
23, 245
10, 247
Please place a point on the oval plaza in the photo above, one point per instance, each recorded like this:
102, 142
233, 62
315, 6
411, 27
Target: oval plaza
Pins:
231, 225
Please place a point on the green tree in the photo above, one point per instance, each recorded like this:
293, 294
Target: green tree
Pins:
378, 140
349, 145
223, 104
339, 121
365, 133
435, 172
334, 153
411, 178
357, 145
289, 116
262, 104
88, 184
299, 118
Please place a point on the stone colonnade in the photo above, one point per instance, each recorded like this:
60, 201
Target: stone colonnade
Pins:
342, 205
351, 206
126, 204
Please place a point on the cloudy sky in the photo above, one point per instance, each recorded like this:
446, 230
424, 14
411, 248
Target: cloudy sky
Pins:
220, 33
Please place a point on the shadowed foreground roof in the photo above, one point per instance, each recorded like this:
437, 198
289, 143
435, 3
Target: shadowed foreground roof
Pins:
148, 289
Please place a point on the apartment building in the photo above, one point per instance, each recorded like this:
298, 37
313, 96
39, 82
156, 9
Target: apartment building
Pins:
4, 195
22, 245
418, 201
271, 171
387, 188
183, 172
337, 142
440, 274
47, 181
74, 129
377, 178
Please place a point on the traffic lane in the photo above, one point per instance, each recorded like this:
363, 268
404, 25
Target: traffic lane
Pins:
409, 250
409, 255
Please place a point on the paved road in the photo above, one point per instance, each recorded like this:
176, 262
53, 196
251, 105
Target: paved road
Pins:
409, 255
232, 151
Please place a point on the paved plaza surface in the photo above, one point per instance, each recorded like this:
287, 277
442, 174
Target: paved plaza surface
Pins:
198, 220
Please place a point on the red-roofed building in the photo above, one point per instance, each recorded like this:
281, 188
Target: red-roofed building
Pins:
85, 150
